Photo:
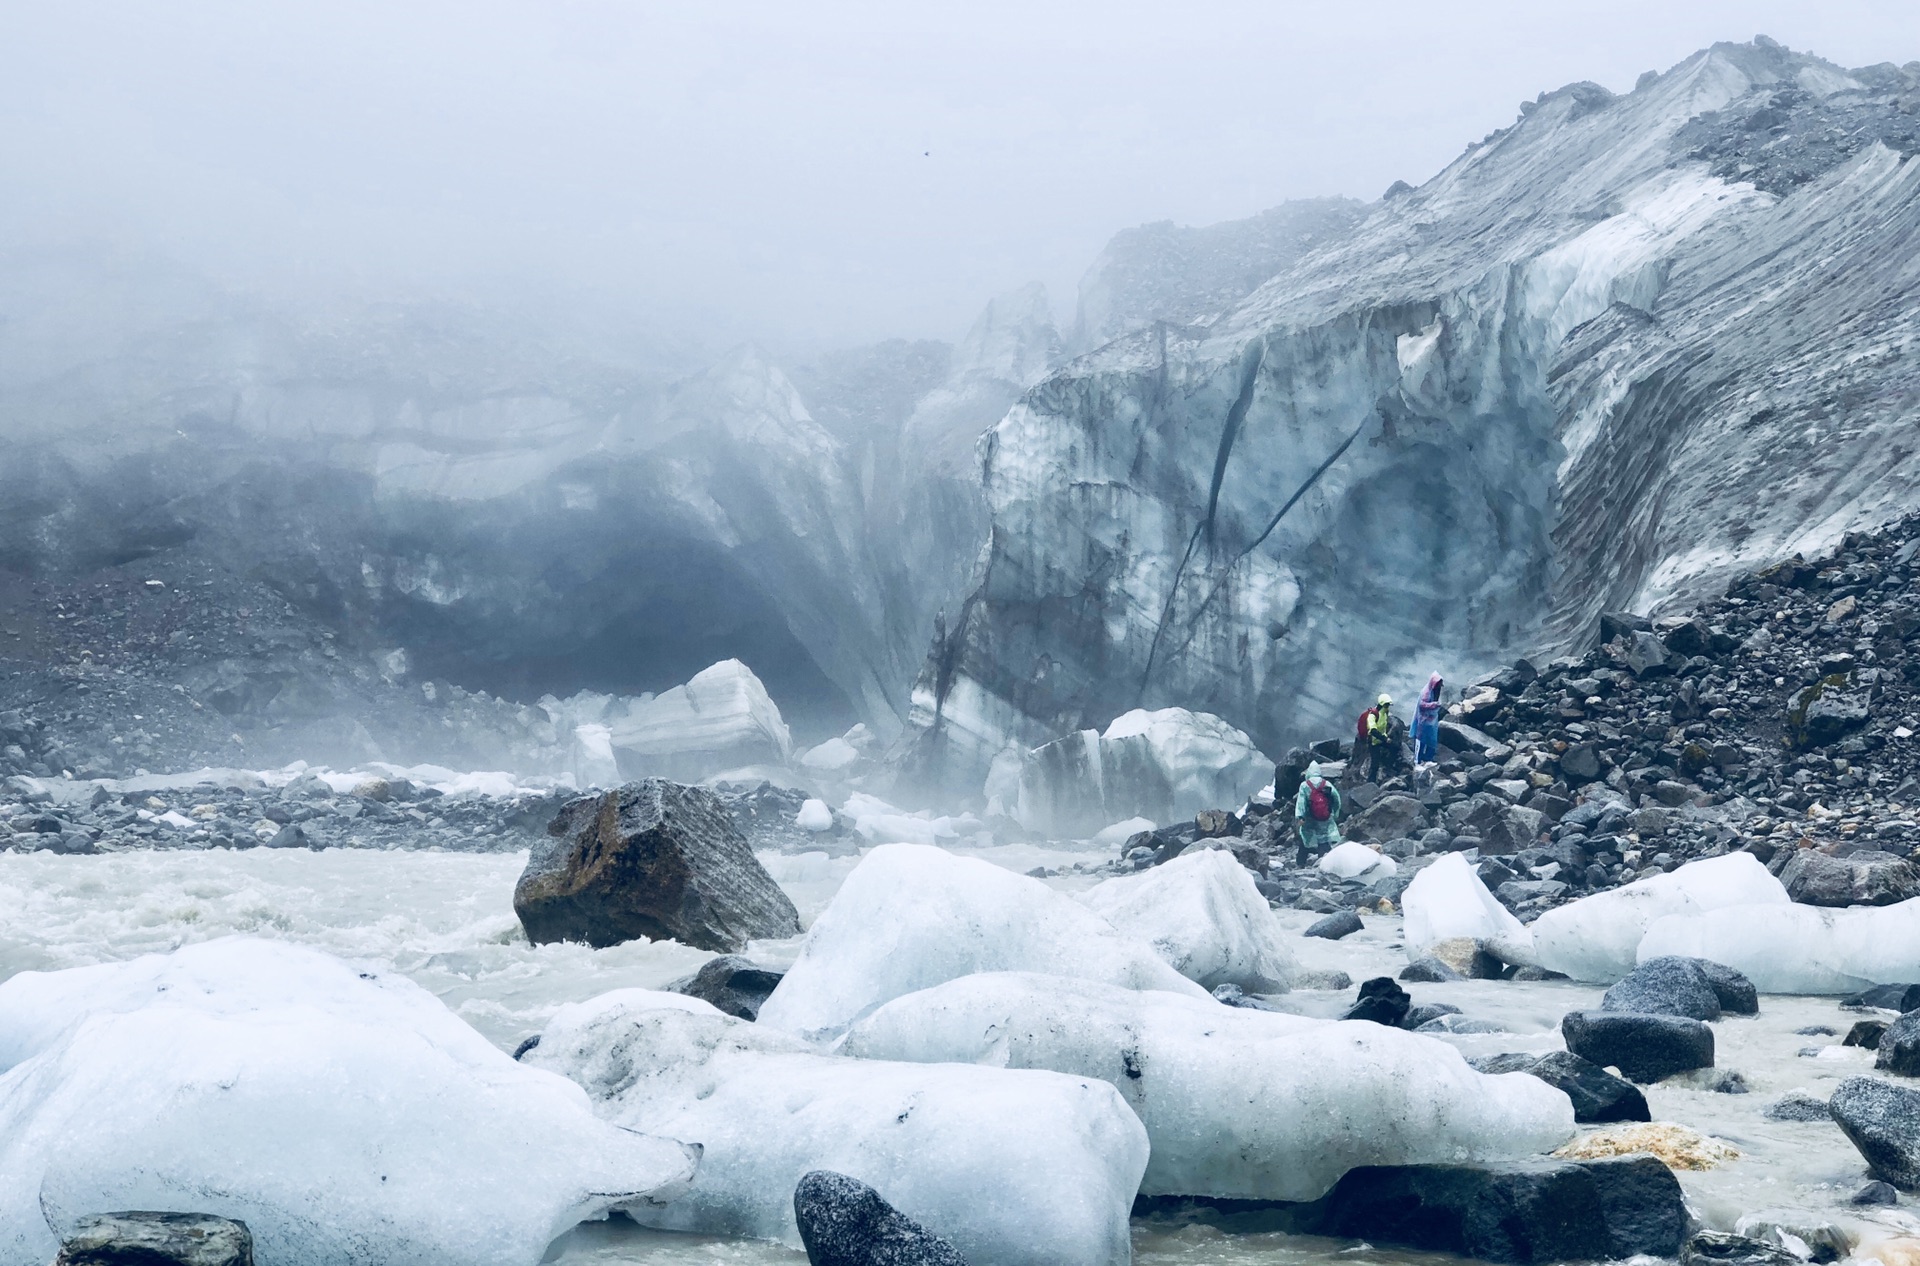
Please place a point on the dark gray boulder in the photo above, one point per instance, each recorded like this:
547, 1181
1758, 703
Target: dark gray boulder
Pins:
1899, 1047
1797, 1105
1865, 1033
290, 836
1883, 1121
1424, 1012
1886, 997
1721, 1248
1861, 879
1387, 818
1598, 1096
1380, 1001
1875, 1192
1539, 1211
844, 1222
1665, 986
732, 984
1736, 993
1645, 1047
1335, 926
157, 1239
651, 859
1429, 971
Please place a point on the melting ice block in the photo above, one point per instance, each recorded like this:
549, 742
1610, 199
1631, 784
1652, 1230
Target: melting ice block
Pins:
1447, 900
1793, 948
1598, 938
910, 916
1237, 1103
1016, 1168
1202, 913
344, 1116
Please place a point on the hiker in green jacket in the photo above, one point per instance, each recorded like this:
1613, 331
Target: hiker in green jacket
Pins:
1316, 812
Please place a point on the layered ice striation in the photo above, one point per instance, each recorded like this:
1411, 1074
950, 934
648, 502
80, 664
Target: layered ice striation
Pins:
910, 916
1016, 1168
1589, 366
344, 1115
1237, 1103
1165, 765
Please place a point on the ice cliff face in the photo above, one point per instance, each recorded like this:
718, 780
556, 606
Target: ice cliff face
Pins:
1607, 356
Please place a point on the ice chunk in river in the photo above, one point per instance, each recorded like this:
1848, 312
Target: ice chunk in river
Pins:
1447, 900
1016, 1168
1165, 765
1237, 1103
910, 916
1597, 938
1792, 948
1203, 914
344, 1116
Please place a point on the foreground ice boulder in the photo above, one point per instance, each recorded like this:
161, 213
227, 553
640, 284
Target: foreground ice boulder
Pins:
1016, 1168
1597, 938
1447, 901
1352, 859
1238, 1103
345, 1116
910, 916
1164, 765
1794, 948
1203, 914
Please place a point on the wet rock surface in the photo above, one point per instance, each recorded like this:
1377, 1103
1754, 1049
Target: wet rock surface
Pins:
1598, 1096
844, 1222
1540, 1212
157, 1239
733, 984
1883, 1121
653, 859
1647, 1048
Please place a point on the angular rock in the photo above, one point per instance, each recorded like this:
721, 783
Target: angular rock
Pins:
1875, 1192
1335, 926
844, 1222
1388, 818
1646, 1048
1670, 985
1736, 993
1862, 879
1723, 1248
1468, 957
1428, 970
1866, 1033
1883, 1121
290, 836
1798, 1105
1645, 655
1899, 1047
157, 1239
1424, 1012
732, 984
1598, 1096
1381, 1001
1825, 712
651, 859
1887, 997
1542, 1211
1580, 763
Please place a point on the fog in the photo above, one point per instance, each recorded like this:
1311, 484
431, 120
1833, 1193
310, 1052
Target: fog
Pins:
805, 175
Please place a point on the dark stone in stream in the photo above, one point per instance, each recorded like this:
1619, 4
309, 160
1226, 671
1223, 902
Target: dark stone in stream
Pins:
1527, 1211
1335, 926
732, 984
1381, 1001
1720, 1248
844, 1222
1644, 1047
1883, 1120
1598, 1096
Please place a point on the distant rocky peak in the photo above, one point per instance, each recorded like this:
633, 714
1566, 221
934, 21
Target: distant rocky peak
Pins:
1013, 340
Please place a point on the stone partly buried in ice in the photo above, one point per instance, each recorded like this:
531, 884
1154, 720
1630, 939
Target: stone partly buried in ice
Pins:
652, 859
157, 1239
1645, 1047
731, 984
1883, 1121
1529, 1211
844, 1222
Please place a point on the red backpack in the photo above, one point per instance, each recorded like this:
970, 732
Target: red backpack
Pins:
1319, 805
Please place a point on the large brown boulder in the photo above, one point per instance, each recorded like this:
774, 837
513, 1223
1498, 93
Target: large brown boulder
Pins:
651, 859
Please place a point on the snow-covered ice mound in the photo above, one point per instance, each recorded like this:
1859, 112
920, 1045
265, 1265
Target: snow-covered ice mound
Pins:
1016, 1168
1351, 859
1597, 938
1204, 915
1238, 1103
1447, 900
912, 916
1793, 948
345, 1116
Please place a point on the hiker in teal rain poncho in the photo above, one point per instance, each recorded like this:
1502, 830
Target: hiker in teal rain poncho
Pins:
1316, 812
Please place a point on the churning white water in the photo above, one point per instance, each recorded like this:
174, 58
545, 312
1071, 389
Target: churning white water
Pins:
446, 920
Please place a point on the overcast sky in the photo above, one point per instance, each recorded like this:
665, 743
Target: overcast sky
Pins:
814, 173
